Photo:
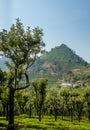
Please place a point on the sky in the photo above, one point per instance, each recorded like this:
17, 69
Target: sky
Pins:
62, 21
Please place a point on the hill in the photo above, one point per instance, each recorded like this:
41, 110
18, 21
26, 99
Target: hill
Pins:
58, 64
61, 64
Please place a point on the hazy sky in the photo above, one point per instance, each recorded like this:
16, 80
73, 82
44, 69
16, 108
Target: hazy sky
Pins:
62, 21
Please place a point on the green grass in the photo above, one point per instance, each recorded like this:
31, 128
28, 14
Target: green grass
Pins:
47, 123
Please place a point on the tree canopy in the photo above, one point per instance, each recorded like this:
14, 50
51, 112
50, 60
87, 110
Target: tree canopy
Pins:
22, 47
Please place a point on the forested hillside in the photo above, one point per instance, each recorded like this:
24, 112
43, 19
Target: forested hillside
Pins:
61, 63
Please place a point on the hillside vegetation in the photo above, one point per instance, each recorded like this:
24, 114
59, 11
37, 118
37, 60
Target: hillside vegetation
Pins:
61, 63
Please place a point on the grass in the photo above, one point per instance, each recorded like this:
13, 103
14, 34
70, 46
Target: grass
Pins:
47, 123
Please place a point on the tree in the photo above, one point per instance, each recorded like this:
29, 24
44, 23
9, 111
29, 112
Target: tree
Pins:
87, 99
74, 94
40, 90
22, 48
2, 77
55, 102
4, 93
5, 101
52, 103
30, 103
22, 98
35, 86
65, 95
79, 107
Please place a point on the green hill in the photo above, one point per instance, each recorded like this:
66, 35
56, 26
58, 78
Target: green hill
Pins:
64, 55
58, 64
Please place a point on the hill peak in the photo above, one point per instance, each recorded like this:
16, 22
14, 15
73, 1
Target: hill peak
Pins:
57, 64
63, 45
64, 55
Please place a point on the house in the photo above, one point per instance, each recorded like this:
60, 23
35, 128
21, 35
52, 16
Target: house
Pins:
66, 84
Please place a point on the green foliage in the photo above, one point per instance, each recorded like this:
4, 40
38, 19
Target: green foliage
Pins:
21, 99
58, 64
5, 95
21, 47
63, 54
58, 100
2, 77
40, 93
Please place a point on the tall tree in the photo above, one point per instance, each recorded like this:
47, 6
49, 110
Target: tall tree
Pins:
4, 98
5, 101
22, 47
40, 91
2, 77
65, 95
54, 101
79, 107
74, 97
87, 99
35, 86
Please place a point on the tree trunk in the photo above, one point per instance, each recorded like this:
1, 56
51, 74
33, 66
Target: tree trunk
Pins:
37, 108
55, 113
39, 114
88, 111
30, 111
71, 115
11, 110
4, 108
79, 115
7, 112
22, 109
89, 116
62, 112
